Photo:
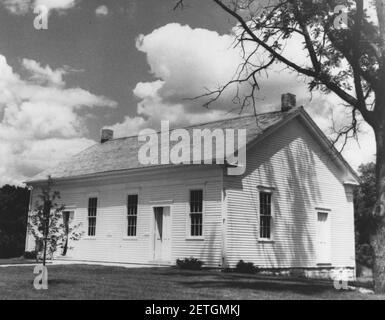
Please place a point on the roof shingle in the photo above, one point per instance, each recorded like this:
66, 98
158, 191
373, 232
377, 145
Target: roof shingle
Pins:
122, 153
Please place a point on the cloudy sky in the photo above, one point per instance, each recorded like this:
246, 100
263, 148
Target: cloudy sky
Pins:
124, 64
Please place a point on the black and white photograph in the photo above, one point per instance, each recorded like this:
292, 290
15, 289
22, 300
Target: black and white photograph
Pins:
192, 154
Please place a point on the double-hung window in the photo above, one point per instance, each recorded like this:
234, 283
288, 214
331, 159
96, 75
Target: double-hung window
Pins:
92, 210
132, 214
265, 215
196, 213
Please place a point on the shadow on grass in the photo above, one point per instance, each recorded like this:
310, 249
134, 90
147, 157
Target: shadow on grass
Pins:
242, 276
217, 280
58, 282
185, 273
237, 281
261, 285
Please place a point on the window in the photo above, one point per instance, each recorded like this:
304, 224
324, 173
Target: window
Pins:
265, 218
196, 213
92, 207
132, 213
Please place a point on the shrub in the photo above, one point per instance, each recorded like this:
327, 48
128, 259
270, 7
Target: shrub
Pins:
30, 255
189, 263
245, 267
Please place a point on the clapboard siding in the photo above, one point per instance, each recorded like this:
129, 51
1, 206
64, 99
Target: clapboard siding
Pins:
290, 160
303, 178
165, 188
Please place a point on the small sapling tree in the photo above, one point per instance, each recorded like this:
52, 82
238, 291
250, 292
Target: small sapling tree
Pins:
49, 226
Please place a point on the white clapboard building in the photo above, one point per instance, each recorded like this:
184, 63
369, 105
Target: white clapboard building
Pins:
291, 209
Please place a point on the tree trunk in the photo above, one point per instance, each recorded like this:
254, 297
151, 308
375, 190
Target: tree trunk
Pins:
378, 239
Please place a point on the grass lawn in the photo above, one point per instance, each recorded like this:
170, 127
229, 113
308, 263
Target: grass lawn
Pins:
16, 261
99, 282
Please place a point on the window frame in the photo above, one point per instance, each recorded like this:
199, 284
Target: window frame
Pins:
201, 187
271, 191
93, 196
126, 235
71, 210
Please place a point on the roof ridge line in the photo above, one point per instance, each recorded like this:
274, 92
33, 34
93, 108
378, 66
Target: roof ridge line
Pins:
201, 124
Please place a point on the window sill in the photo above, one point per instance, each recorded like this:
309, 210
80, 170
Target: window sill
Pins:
130, 238
266, 241
89, 238
195, 239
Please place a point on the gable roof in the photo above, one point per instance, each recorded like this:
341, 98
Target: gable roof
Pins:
122, 153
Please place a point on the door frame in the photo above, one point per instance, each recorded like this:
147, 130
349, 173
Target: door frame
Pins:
329, 226
71, 220
152, 230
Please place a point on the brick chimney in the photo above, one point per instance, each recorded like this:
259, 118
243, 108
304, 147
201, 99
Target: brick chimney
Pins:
288, 101
107, 134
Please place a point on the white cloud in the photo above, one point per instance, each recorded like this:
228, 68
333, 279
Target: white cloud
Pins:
101, 11
363, 150
327, 111
21, 7
18, 7
39, 120
185, 62
174, 51
152, 109
56, 4
44, 74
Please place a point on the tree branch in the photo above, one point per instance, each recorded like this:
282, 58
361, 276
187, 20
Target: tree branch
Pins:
275, 54
308, 40
380, 6
349, 57
323, 78
357, 54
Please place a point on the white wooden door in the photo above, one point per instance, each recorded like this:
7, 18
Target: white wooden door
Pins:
158, 233
162, 234
323, 238
68, 217
166, 241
